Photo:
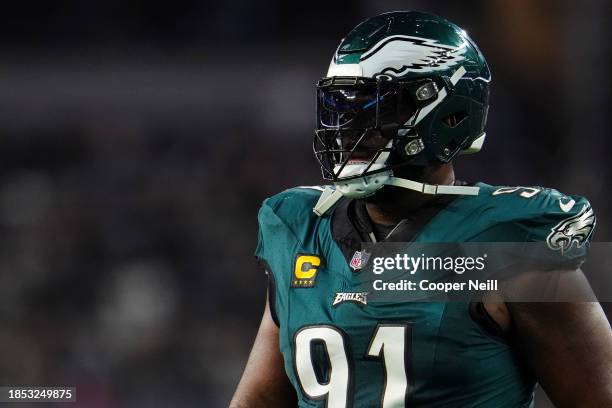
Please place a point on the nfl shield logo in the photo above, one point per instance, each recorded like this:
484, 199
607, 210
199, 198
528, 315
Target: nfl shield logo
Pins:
359, 260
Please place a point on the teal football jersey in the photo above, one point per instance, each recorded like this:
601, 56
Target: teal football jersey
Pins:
341, 351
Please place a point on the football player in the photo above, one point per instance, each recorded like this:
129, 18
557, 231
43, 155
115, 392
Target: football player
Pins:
405, 93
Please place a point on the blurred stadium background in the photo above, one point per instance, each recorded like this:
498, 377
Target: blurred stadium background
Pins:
138, 140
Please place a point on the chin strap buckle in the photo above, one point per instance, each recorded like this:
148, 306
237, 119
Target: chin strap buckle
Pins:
328, 198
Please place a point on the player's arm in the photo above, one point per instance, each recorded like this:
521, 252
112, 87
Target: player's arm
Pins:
569, 347
264, 382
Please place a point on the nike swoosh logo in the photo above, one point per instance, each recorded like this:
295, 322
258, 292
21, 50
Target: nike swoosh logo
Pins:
567, 206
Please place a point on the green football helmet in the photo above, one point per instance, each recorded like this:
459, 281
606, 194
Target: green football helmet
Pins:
403, 88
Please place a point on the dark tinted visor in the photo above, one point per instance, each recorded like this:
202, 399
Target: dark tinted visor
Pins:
351, 100
364, 102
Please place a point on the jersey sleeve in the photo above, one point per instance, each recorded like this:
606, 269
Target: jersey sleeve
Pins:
285, 221
562, 225
272, 237
275, 239
285, 224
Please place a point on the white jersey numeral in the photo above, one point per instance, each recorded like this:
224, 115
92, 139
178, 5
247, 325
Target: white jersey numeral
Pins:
391, 342
336, 389
526, 192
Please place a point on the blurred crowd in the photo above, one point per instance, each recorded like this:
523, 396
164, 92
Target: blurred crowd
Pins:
138, 143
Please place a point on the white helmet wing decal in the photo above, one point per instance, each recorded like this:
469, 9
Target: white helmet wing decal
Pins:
398, 55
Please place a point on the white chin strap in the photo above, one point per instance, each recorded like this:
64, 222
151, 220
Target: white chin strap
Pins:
366, 186
432, 188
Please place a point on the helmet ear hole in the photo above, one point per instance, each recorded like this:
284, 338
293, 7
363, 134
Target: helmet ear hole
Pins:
454, 119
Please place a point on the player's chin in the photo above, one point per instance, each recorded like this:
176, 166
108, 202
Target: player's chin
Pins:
385, 194
411, 172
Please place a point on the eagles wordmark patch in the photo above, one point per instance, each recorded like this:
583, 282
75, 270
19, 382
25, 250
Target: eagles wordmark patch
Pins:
360, 298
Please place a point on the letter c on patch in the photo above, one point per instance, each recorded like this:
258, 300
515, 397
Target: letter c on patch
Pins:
306, 266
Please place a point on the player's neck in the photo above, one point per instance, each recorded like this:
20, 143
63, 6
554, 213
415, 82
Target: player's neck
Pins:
390, 205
